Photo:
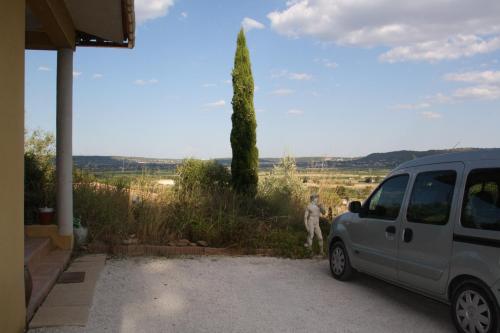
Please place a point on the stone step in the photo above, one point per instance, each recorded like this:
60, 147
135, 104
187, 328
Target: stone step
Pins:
34, 250
47, 270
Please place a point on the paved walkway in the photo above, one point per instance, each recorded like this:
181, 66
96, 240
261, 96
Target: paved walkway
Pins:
70, 303
250, 294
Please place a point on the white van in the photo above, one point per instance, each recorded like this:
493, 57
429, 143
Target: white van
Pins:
432, 226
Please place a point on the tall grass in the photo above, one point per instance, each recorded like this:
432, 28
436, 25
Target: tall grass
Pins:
201, 206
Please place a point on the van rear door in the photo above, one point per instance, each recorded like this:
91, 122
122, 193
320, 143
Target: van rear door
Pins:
426, 239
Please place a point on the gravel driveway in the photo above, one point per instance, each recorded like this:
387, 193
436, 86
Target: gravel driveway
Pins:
250, 294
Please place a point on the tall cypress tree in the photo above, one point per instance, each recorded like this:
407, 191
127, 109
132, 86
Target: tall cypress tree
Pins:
245, 162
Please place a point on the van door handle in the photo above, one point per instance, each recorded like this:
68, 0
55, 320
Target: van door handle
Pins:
390, 232
407, 235
390, 229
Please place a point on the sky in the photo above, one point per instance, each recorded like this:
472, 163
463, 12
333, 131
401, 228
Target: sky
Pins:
333, 78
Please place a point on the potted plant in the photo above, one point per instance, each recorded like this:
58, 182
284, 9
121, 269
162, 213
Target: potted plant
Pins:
46, 215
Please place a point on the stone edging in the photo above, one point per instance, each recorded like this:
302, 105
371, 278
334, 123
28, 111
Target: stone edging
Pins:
164, 250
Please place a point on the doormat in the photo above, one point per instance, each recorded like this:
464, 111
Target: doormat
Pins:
71, 277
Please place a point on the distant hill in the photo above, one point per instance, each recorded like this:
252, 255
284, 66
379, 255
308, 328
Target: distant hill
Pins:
395, 158
387, 160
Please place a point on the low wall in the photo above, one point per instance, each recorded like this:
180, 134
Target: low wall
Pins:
52, 232
164, 250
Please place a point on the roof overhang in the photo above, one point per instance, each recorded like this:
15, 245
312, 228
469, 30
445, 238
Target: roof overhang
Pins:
56, 24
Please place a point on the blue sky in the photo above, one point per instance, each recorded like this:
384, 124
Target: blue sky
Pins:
333, 78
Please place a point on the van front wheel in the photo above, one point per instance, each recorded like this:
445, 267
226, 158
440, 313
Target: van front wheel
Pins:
340, 264
474, 310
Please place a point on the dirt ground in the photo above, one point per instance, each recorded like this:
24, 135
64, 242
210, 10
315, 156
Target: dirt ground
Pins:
250, 294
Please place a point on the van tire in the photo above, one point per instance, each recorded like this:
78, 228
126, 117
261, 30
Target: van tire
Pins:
476, 289
340, 265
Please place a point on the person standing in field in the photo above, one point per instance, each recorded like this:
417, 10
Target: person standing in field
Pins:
311, 220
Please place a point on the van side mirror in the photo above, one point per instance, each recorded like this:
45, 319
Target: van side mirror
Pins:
355, 207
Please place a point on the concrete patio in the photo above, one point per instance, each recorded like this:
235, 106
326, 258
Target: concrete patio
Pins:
250, 294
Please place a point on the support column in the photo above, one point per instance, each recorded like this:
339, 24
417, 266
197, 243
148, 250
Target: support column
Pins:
12, 30
64, 142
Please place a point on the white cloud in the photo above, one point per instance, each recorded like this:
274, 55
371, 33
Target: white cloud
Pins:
327, 63
209, 85
76, 74
142, 82
146, 10
485, 85
424, 30
295, 112
184, 15
331, 65
439, 98
282, 92
482, 85
418, 106
433, 51
431, 115
44, 69
97, 76
250, 24
291, 76
485, 77
487, 92
217, 104
300, 76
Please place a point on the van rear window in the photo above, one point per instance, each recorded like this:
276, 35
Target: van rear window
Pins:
481, 206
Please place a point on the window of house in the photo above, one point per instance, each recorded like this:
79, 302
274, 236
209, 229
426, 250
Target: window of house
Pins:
386, 202
431, 197
481, 205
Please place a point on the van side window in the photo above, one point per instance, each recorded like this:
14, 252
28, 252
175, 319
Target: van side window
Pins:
481, 206
386, 202
431, 197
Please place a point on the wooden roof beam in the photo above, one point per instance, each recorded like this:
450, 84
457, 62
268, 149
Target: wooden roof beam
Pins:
56, 21
37, 40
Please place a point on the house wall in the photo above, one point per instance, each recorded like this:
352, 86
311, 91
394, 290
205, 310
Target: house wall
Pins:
12, 26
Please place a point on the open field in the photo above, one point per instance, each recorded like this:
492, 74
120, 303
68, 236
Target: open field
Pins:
343, 184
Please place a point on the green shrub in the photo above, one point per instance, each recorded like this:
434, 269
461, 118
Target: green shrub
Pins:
39, 173
283, 190
206, 176
103, 208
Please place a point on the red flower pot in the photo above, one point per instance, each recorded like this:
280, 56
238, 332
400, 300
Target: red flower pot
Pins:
46, 216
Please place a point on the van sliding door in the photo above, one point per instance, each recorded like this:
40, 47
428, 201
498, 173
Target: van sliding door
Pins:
426, 238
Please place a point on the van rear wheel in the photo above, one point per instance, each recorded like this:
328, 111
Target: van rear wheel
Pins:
340, 265
474, 310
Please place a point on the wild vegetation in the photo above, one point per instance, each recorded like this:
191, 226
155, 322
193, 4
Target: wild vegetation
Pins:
200, 205
203, 206
39, 173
